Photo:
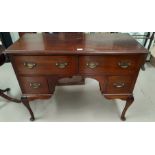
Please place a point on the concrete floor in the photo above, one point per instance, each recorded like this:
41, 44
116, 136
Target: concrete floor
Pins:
80, 103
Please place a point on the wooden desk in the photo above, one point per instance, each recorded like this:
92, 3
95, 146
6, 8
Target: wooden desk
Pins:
41, 60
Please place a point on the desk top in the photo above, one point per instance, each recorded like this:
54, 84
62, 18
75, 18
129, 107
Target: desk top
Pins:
76, 43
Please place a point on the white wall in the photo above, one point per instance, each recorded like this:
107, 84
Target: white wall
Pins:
14, 36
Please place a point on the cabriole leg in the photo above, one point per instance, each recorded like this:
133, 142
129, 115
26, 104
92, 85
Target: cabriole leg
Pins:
25, 101
129, 101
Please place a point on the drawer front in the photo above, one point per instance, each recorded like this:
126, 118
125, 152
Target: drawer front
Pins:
46, 65
34, 85
120, 84
118, 64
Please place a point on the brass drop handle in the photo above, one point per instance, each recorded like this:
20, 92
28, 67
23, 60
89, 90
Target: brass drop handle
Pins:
92, 65
29, 65
119, 84
61, 65
35, 85
124, 64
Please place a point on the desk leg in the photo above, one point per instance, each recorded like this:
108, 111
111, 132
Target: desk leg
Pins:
25, 101
7, 97
129, 101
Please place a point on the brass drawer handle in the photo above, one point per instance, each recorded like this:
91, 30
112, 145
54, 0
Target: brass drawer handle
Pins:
29, 65
119, 84
35, 85
92, 65
124, 64
61, 65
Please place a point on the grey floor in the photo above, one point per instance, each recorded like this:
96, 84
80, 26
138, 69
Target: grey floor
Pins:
80, 103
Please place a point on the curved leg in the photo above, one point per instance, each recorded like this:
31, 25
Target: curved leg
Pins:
25, 101
5, 90
7, 97
129, 101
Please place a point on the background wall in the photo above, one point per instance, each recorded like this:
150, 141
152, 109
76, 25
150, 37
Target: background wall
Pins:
14, 36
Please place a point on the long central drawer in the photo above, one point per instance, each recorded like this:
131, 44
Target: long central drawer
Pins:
46, 65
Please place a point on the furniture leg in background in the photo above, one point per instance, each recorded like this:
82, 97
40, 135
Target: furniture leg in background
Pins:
7, 97
2, 92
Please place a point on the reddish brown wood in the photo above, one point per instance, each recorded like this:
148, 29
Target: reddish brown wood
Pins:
119, 84
110, 64
32, 97
129, 101
25, 101
74, 81
22, 33
53, 81
113, 60
117, 96
2, 59
63, 43
46, 65
34, 85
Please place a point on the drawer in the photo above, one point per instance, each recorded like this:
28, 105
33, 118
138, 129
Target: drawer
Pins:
120, 84
46, 65
116, 64
34, 85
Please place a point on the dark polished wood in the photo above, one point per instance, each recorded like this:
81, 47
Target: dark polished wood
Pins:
34, 85
2, 59
43, 61
84, 44
110, 64
22, 33
25, 101
75, 80
129, 101
46, 65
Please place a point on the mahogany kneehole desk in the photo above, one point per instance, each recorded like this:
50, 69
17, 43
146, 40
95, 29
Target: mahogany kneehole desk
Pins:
41, 60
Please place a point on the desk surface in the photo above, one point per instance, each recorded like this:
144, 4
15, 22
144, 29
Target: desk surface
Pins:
79, 43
